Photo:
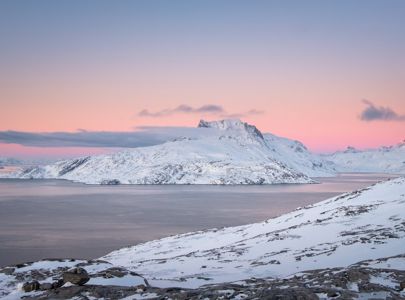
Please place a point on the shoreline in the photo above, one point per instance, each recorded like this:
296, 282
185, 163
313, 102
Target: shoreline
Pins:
116, 273
100, 219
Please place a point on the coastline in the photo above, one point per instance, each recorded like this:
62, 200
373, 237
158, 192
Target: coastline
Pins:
304, 282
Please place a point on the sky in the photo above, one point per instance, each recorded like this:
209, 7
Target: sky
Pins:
327, 73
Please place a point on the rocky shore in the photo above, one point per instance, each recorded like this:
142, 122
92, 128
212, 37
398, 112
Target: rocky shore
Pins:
372, 279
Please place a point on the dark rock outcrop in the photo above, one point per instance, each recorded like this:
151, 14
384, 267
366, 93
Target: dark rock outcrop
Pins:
77, 276
31, 286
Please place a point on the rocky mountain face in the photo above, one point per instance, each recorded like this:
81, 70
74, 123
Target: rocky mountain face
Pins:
244, 130
230, 152
389, 159
356, 253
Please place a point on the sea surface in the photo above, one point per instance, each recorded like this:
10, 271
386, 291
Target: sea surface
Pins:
55, 218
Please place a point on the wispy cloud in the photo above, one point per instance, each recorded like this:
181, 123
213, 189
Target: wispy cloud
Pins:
81, 139
379, 113
144, 136
251, 112
210, 109
140, 137
185, 109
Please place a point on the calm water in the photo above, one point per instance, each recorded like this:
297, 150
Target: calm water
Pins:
52, 218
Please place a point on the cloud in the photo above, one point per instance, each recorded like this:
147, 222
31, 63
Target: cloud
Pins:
81, 139
140, 137
185, 109
379, 113
145, 136
211, 109
251, 112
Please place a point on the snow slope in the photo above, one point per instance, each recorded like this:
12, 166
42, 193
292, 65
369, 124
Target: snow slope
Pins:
338, 232
384, 159
224, 152
297, 156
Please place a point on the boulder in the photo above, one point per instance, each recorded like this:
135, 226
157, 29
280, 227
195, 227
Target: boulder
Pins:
31, 286
114, 272
77, 276
8, 270
58, 283
45, 286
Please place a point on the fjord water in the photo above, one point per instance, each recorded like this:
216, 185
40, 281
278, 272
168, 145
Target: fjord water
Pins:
54, 218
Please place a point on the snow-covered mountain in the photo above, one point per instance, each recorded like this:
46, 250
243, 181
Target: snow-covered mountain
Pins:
9, 161
9, 165
384, 159
223, 152
297, 156
338, 232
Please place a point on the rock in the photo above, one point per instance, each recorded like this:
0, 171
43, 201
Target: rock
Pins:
8, 271
31, 286
356, 275
57, 284
288, 294
18, 266
111, 182
332, 294
77, 276
114, 272
46, 286
71, 292
140, 287
402, 286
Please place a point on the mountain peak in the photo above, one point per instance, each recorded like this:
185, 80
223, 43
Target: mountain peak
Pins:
401, 144
231, 124
350, 149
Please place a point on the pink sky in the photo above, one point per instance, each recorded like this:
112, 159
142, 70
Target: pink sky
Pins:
322, 126
306, 66
323, 115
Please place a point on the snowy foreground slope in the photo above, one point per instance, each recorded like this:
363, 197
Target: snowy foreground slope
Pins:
340, 231
351, 246
222, 152
389, 159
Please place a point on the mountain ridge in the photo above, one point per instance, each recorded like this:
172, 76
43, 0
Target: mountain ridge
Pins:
384, 159
219, 152
231, 152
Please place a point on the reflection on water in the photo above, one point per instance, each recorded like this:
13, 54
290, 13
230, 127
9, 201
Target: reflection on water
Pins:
54, 218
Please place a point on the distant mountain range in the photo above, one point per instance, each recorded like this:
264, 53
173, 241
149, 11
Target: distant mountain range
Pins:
384, 159
223, 152
9, 161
